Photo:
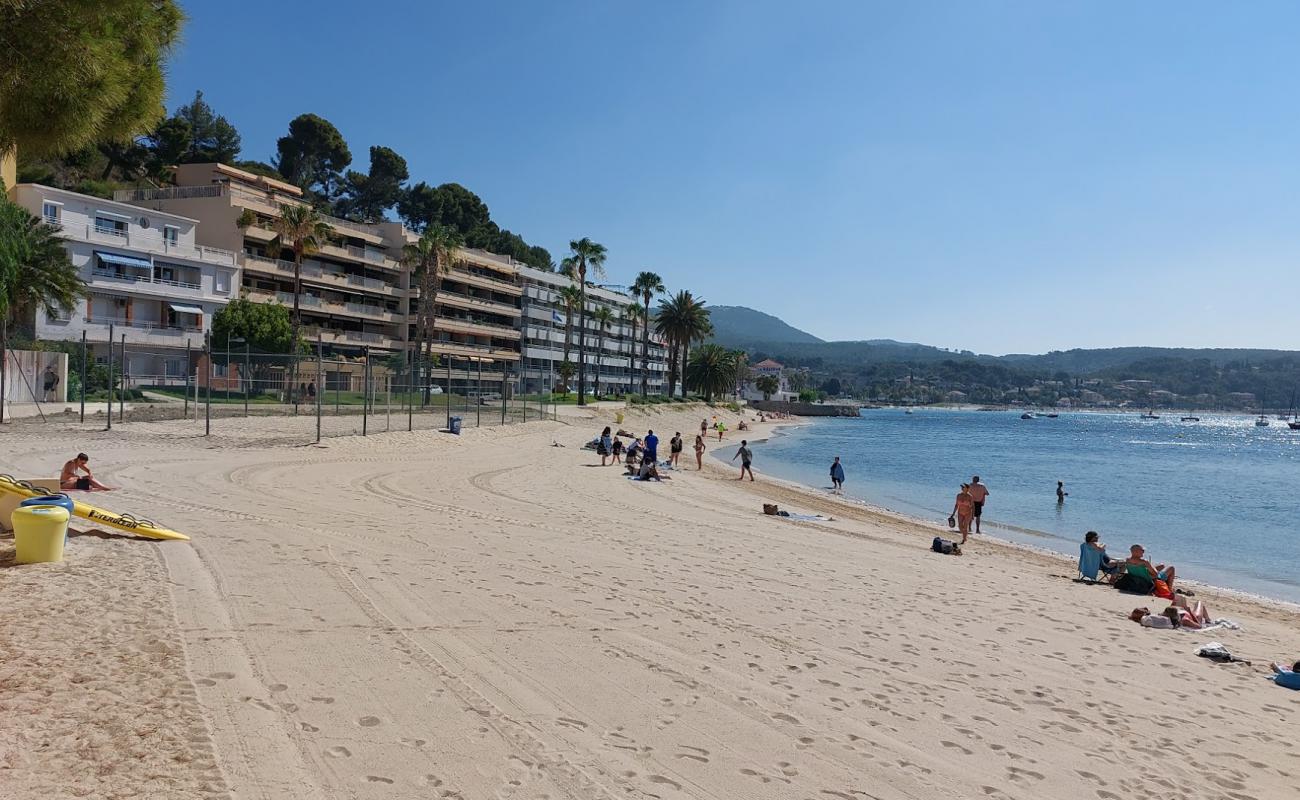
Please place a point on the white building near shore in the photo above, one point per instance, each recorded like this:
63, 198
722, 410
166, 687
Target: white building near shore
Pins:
146, 277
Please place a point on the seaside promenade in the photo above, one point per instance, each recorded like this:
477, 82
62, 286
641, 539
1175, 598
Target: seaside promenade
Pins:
416, 615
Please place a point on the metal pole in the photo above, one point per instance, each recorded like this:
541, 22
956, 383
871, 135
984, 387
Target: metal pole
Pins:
121, 396
83, 376
337, 390
410, 399
478, 401
188, 371
110, 376
207, 394
248, 374
365, 391
505, 371
320, 387
227, 371
448, 392
388, 402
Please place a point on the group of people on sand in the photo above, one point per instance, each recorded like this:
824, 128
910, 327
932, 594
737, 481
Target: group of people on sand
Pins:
1137, 575
641, 456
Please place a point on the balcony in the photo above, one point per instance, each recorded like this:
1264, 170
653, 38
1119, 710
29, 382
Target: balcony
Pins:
477, 328
475, 304
354, 338
467, 350
312, 271
148, 241
483, 281
148, 280
358, 254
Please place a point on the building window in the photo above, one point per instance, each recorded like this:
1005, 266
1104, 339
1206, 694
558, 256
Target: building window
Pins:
221, 284
171, 235
53, 213
110, 226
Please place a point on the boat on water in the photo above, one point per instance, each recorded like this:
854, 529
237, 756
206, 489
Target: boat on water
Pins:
1053, 415
1028, 415
1150, 415
907, 411
1294, 422
1189, 419
1262, 422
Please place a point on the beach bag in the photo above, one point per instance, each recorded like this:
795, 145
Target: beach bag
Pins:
952, 521
942, 545
1128, 582
770, 509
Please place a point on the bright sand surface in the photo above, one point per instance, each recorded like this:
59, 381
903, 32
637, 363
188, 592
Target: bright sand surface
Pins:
420, 615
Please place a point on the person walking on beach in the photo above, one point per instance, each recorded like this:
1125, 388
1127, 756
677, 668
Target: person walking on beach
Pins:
605, 446
699, 452
675, 449
69, 479
1061, 494
837, 475
704, 427
964, 509
746, 459
978, 494
651, 444
722, 428
51, 380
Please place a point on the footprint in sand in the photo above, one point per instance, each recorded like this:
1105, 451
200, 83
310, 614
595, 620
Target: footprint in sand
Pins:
660, 779
222, 676
277, 687
206, 682
379, 779
368, 722
338, 751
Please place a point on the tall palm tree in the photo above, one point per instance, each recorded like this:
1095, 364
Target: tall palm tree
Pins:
587, 255
35, 271
603, 318
646, 285
430, 257
305, 230
712, 371
680, 320
570, 298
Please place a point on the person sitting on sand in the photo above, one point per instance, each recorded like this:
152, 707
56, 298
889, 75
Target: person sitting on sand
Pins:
69, 479
633, 453
1278, 669
743, 426
1137, 564
650, 471
1178, 615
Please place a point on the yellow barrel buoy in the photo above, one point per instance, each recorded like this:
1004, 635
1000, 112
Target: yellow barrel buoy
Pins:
39, 532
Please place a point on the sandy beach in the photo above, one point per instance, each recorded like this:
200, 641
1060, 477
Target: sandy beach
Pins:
490, 616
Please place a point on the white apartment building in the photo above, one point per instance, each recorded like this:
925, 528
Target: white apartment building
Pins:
615, 365
146, 276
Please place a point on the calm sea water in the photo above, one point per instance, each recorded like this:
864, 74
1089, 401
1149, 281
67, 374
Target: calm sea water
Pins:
1217, 498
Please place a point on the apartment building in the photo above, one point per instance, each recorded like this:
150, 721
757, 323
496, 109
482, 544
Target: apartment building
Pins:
355, 290
613, 367
476, 324
147, 276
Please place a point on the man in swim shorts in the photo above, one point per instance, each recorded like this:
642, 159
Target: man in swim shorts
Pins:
746, 458
978, 493
69, 479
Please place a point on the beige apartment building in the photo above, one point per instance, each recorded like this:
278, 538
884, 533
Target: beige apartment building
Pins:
476, 325
354, 289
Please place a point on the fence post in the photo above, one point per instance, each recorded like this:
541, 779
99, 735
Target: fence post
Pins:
248, 374
320, 393
505, 371
478, 401
83, 376
207, 394
121, 396
448, 395
388, 401
365, 391
410, 399
189, 370
110, 376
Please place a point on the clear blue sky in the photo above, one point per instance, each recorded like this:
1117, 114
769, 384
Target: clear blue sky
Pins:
999, 176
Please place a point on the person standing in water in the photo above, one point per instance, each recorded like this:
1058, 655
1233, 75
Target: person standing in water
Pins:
1061, 494
978, 494
746, 459
837, 475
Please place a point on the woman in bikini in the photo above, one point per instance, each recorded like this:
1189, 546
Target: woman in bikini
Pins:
699, 452
964, 510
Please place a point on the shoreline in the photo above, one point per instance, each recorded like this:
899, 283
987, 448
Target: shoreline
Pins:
1065, 557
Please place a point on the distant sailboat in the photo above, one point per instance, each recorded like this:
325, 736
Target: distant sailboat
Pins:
1262, 420
1190, 419
1028, 415
1294, 423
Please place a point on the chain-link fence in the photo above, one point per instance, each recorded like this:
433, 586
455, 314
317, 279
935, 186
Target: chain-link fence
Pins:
303, 397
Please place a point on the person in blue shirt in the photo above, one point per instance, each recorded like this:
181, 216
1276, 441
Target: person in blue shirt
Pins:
651, 443
837, 475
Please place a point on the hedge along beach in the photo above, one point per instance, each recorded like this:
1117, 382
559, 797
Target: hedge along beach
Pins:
481, 616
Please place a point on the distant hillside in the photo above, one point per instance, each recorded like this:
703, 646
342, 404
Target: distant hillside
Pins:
737, 326
1083, 362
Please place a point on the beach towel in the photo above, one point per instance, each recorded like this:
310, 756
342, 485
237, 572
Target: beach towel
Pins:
1089, 561
1217, 652
1215, 625
805, 517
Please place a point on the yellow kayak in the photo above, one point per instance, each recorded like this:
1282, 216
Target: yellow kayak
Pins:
124, 523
